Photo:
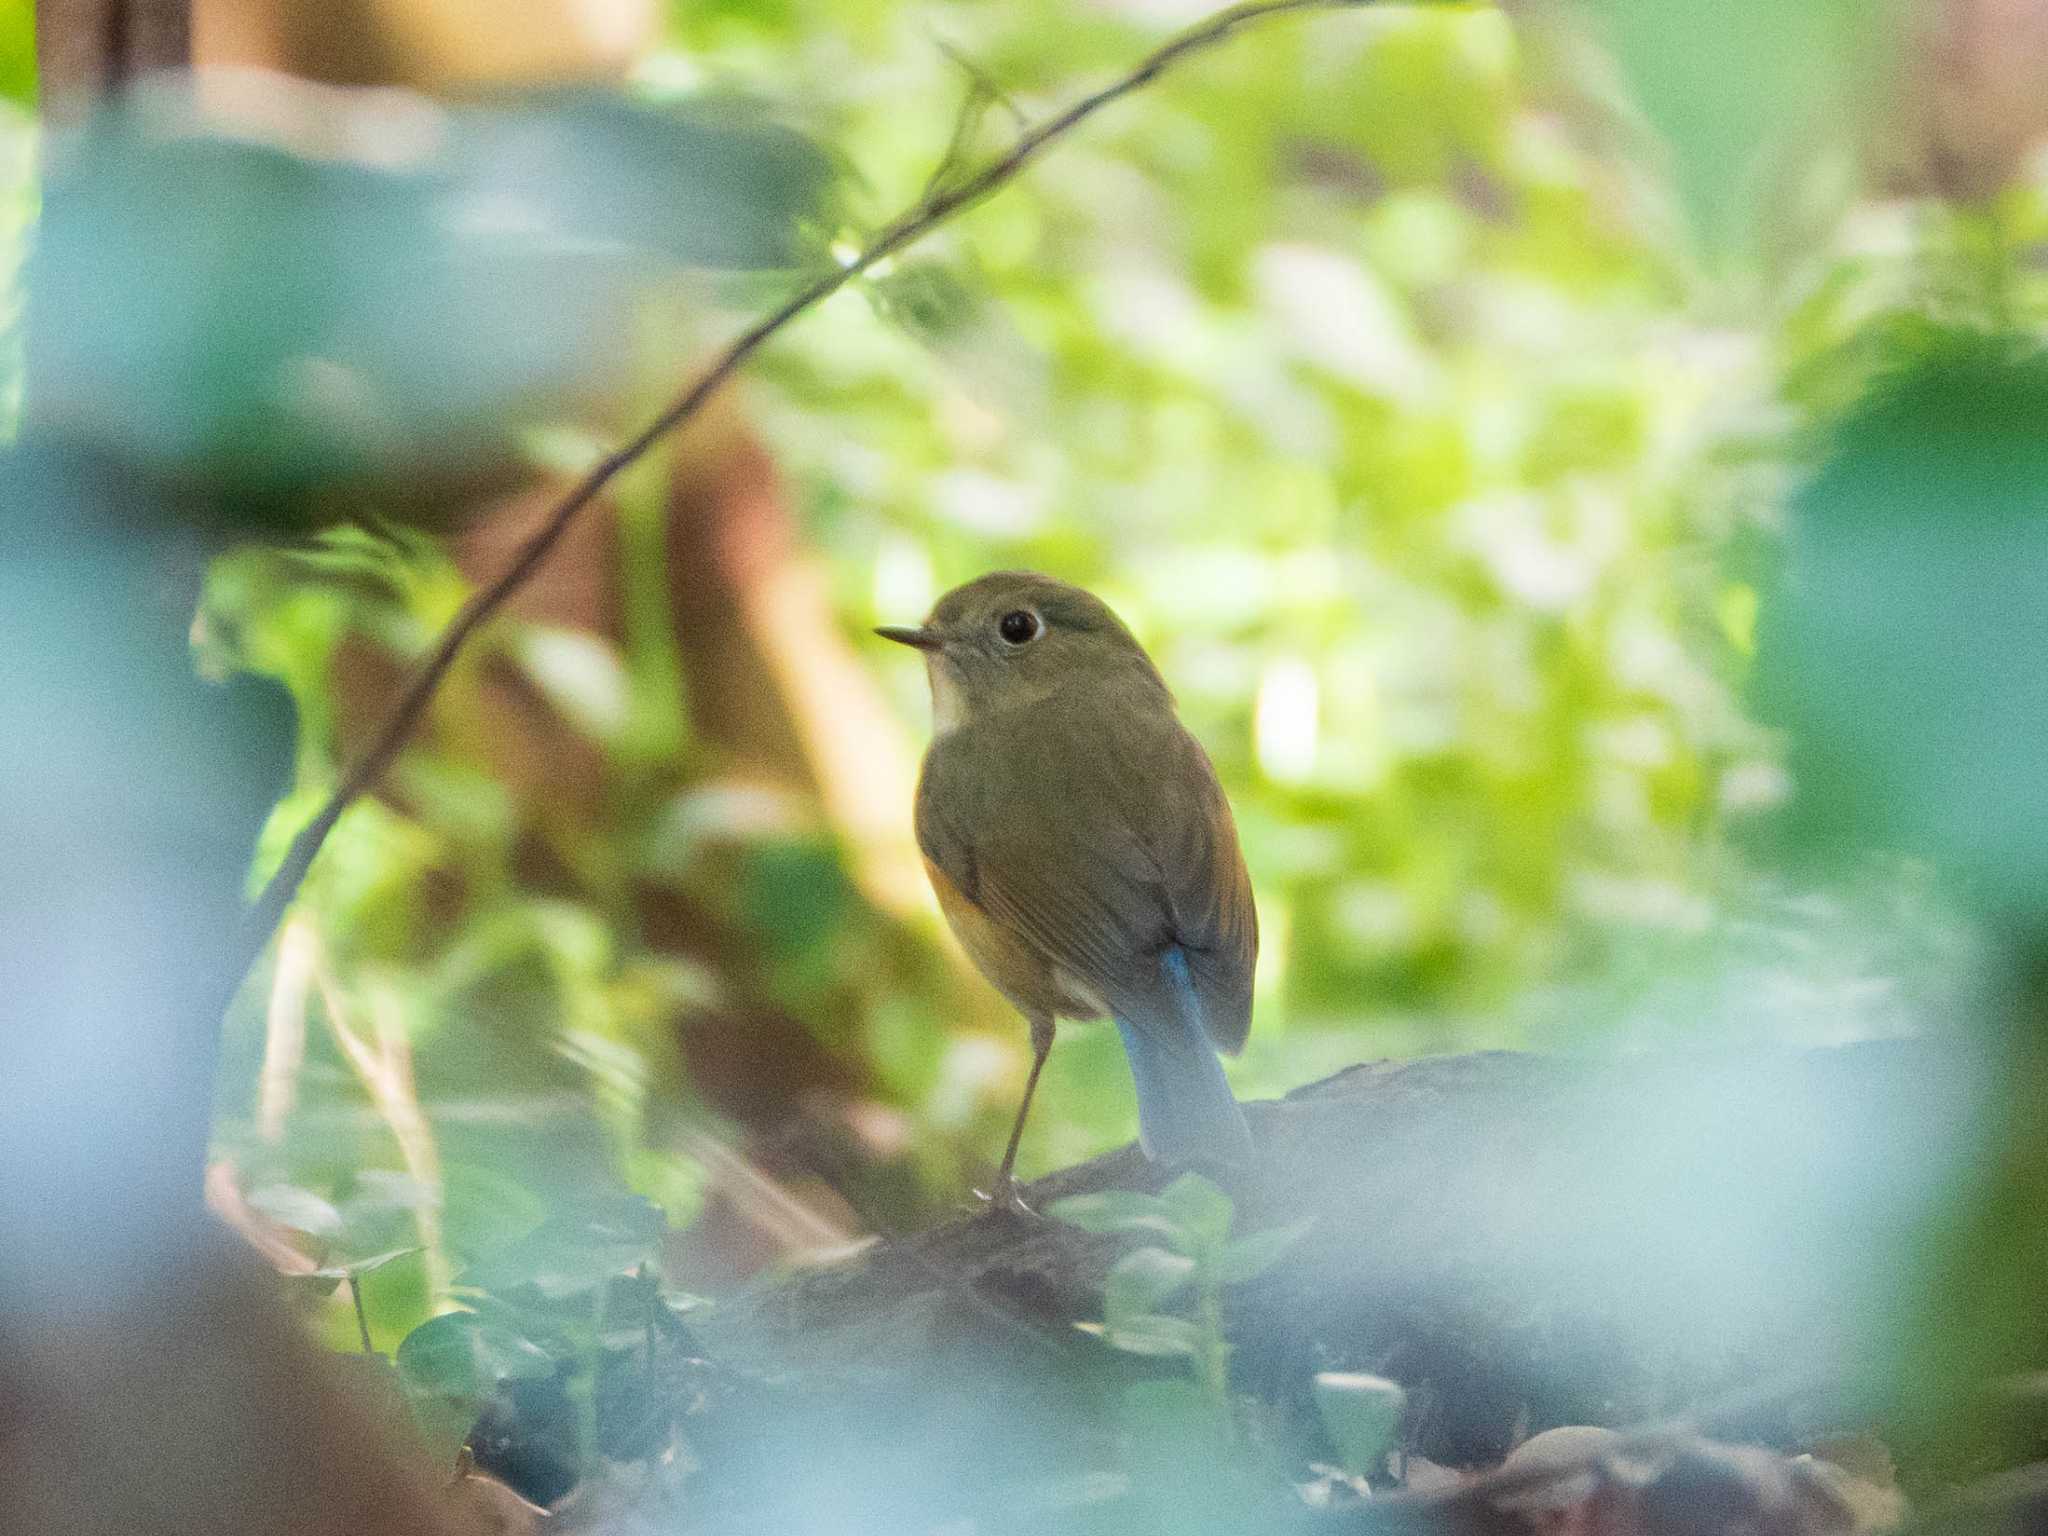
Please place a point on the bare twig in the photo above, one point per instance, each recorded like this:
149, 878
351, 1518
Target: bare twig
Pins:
931, 211
355, 1296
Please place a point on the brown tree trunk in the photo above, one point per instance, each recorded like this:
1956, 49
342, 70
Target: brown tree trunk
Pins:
87, 50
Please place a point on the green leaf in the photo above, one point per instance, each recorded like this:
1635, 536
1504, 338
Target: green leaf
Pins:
1727, 84
1116, 1210
354, 1267
1361, 1414
580, 673
1253, 1255
572, 1253
1141, 1280
299, 1209
1904, 654
927, 299
314, 1283
1154, 1333
458, 1354
1199, 1208
378, 1191
18, 55
673, 1180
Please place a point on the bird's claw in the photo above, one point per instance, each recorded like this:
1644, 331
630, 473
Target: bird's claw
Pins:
1004, 1198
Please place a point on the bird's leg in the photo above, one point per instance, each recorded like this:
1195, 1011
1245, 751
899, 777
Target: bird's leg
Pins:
1004, 1195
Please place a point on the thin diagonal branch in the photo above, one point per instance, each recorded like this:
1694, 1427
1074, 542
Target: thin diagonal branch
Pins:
939, 205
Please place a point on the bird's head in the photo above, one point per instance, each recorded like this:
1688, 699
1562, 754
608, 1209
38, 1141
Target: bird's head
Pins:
1010, 638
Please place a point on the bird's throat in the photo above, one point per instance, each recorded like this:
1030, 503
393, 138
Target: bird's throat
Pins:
949, 698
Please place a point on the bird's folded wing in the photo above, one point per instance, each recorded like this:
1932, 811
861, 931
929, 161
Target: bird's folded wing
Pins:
1187, 828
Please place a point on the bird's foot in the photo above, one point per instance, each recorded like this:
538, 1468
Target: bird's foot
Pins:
1003, 1198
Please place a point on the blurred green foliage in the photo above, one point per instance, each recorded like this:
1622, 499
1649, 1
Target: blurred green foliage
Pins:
397, 311
17, 191
1905, 653
1461, 415
1372, 368
1323, 362
1929, 509
18, 53
1364, 366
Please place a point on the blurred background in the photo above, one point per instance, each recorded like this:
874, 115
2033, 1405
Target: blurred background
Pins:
1426, 386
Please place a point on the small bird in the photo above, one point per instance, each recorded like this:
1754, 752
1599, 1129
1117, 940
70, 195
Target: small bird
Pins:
1083, 852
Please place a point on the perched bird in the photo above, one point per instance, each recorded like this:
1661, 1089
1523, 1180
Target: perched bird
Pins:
1083, 852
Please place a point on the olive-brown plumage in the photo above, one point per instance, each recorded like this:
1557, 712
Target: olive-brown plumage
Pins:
1082, 849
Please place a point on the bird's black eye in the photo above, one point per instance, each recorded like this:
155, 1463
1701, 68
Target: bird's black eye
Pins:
1018, 625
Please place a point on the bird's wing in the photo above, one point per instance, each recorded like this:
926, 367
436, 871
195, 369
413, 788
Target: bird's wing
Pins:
942, 820
1187, 828
1102, 853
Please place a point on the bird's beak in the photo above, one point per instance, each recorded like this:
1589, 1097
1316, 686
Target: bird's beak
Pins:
903, 634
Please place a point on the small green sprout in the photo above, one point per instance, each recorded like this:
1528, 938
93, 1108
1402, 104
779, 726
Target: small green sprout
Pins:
1190, 1254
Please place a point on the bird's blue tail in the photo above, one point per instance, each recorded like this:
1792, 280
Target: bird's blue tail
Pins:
1186, 1113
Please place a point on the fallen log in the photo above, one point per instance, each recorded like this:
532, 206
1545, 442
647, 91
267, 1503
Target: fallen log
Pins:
1519, 1241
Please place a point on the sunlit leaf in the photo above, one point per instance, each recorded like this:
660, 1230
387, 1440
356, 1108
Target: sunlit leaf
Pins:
18, 55
356, 1267
299, 1209
581, 676
671, 1180
378, 1191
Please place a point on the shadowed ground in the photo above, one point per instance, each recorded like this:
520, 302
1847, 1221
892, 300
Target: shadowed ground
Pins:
1519, 1241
